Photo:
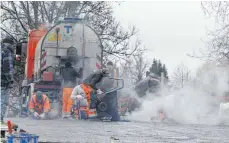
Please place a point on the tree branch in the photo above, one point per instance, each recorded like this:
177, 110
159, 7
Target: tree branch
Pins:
8, 34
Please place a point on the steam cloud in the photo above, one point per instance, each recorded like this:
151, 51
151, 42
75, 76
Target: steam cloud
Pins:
193, 104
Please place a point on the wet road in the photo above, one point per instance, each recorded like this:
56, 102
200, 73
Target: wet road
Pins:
126, 132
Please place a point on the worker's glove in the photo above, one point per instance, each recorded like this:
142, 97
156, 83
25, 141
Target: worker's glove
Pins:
105, 72
35, 114
42, 116
99, 91
79, 97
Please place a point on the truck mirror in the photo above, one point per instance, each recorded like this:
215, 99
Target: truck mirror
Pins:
18, 51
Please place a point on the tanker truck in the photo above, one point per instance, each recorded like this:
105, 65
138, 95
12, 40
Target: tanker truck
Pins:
48, 50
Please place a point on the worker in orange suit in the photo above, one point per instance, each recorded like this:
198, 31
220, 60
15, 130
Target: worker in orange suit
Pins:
39, 106
66, 103
86, 93
69, 76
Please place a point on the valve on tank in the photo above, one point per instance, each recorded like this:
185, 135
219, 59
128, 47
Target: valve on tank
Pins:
72, 54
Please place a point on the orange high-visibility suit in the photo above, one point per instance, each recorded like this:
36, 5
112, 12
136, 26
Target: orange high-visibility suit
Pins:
66, 104
85, 91
39, 107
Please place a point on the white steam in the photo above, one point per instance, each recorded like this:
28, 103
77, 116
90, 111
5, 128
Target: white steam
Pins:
192, 104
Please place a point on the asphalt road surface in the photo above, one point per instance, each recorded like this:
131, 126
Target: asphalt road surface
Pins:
126, 132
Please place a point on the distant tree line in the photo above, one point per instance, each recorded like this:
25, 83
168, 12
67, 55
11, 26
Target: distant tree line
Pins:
157, 68
137, 68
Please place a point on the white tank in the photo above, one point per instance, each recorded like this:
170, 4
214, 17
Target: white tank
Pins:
71, 34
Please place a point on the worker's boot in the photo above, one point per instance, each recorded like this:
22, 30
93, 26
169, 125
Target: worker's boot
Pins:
104, 116
66, 116
63, 114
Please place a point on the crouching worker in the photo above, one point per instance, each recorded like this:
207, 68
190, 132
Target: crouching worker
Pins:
39, 106
85, 96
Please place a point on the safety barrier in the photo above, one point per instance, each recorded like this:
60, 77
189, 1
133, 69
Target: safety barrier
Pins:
22, 138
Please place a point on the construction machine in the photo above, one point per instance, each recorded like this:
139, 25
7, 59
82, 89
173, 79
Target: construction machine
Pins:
48, 50
128, 102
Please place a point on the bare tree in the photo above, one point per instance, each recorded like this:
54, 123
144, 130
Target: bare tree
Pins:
213, 78
136, 67
18, 17
218, 44
181, 75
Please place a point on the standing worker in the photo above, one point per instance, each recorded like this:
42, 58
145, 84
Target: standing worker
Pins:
69, 76
6, 72
112, 99
39, 106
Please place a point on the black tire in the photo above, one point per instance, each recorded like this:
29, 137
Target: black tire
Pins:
102, 107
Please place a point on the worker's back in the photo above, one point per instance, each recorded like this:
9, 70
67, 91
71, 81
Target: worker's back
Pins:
69, 74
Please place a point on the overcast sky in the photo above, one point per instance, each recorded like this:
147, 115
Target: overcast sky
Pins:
170, 30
